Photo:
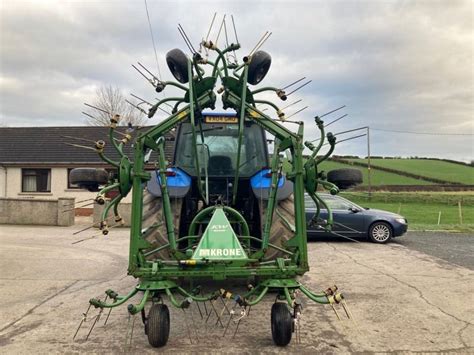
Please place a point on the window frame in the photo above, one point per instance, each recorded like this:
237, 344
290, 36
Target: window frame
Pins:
36, 170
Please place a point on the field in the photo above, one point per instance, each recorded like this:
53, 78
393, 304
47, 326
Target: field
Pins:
429, 168
377, 177
423, 209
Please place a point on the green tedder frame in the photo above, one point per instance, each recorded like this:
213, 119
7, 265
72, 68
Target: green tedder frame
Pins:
159, 277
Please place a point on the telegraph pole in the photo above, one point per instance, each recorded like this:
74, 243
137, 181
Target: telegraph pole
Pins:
368, 162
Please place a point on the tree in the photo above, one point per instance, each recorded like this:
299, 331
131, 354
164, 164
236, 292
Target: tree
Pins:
112, 100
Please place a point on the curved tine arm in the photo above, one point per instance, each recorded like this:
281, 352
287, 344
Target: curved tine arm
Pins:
269, 103
316, 202
330, 217
316, 297
259, 297
176, 105
333, 189
116, 204
184, 303
107, 208
185, 293
154, 108
112, 140
320, 125
221, 56
121, 300
108, 160
108, 188
268, 88
134, 309
332, 144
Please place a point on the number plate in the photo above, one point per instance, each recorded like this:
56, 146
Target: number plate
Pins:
221, 119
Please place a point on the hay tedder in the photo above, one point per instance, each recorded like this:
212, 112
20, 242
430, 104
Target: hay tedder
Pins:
223, 209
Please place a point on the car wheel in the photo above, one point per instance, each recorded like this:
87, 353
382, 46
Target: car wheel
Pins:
380, 232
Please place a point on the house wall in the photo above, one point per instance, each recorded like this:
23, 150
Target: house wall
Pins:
59, 187
3, 186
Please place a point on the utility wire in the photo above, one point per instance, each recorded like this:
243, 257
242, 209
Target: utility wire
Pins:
422, 133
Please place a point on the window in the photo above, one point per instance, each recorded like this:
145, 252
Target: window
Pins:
36, 180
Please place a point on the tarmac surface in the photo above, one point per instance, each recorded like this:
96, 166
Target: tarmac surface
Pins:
402, 299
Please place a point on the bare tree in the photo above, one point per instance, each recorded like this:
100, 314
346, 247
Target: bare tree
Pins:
111, 100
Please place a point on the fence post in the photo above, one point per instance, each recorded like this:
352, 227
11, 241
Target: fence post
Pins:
439, 218
460, 212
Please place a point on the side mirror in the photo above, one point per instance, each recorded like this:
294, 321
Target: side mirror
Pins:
354, 210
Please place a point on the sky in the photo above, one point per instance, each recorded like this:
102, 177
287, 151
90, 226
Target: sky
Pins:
395, 65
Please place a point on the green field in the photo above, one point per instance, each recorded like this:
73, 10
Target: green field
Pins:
377, 177
429, 168
422, 209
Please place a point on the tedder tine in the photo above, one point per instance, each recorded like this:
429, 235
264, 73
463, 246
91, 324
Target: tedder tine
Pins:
187, 326
84, 318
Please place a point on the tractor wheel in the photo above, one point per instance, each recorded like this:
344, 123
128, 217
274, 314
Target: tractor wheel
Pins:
280, 231
158, 325
345, 178
154, 223
89, 178
178, 65
258, 67
282, 324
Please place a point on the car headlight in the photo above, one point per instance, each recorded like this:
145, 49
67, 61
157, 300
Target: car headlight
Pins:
401, 220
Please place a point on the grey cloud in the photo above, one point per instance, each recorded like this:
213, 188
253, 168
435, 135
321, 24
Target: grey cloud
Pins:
395, 64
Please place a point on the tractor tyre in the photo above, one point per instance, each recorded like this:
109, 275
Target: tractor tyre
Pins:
158, 325
345, 178
89, 178
154, 224
280, 232
178, 65
282, 324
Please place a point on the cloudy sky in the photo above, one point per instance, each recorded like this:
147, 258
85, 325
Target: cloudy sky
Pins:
396, 65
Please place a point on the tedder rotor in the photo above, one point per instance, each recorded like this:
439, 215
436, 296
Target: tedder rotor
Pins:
222, 208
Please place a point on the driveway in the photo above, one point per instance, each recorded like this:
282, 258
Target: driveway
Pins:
402, 300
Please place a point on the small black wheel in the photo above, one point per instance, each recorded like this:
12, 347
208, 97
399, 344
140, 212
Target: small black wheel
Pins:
345, 178
282, 324
380, 232
158, 325
89, 178
258, 67
178, 65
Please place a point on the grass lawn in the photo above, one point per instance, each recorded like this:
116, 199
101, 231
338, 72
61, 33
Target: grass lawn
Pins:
428, 168
422, 209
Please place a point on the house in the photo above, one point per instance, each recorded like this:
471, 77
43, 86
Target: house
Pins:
35, 161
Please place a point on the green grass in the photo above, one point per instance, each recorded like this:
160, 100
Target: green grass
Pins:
377, 177
422, 209
429, 168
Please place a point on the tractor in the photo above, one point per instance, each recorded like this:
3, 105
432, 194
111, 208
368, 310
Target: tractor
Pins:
223, 208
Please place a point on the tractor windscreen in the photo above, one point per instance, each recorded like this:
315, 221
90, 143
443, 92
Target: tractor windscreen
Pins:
219, 150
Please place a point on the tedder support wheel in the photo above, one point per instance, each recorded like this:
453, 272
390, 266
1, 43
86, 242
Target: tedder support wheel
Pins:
158, 325
282, 324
